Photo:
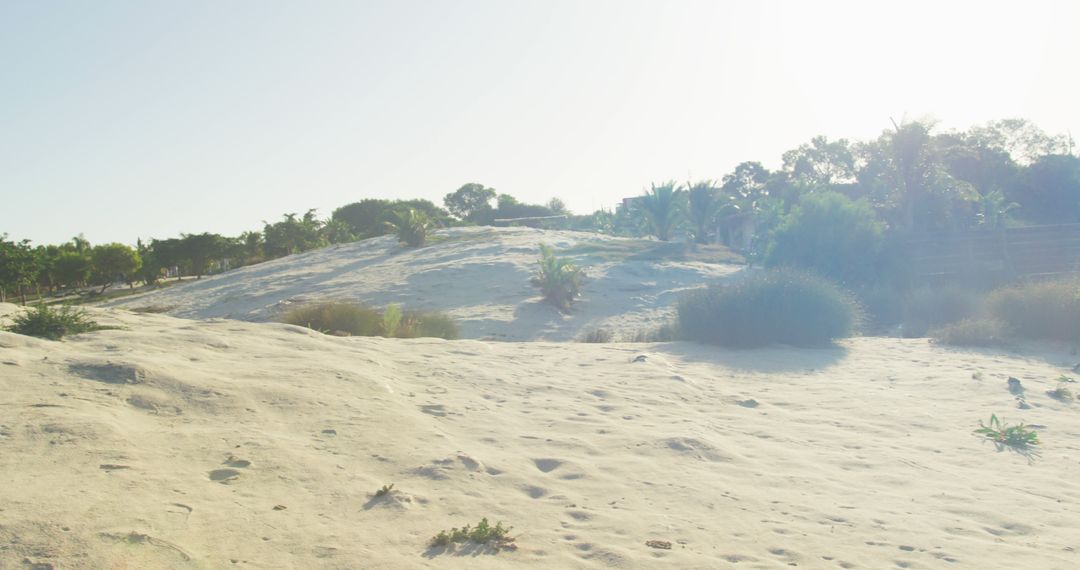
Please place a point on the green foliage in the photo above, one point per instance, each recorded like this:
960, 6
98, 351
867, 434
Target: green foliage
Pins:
19, 266
391, 319
1042, 310
471, 203
560, 281
971, 332
112, 261
367, 218
932, 307
830, 235
482, 533
410, 226
661, 209
385, 490
782, 306
703, 202
351, 319
71, 269
1018, 436
292, 235
43, 321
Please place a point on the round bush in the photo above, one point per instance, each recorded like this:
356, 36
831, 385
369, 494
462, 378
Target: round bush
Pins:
782, 306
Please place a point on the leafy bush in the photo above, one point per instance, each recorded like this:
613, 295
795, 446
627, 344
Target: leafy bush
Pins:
559, 280
337, 318
45, 322
830, 235
357, 320
1045, 310
971, 332
783, 306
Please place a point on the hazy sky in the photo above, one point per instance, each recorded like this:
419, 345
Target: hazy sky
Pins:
129, 119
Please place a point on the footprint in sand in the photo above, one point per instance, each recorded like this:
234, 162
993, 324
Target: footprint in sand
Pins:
224, 476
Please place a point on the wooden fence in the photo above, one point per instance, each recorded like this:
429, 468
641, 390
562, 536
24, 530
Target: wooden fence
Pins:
1003, 254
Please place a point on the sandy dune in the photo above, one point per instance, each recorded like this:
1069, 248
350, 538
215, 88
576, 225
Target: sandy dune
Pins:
220, 444
480, 276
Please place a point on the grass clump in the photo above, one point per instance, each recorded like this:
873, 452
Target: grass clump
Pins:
1061, 393
1045, 310
971, 332
351, 319
483, 533
782, 306
1018, 436
385, 490
560, 281
43, 321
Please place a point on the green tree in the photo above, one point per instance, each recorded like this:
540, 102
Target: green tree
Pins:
661, 209
471, 203
71, 269
114, 261
199, 250
19, 267
830, 235
410, 226
293, 235
821, 163
703, 201
1048, 190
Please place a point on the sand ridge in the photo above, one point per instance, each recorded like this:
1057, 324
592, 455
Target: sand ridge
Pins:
479, 276
217, 443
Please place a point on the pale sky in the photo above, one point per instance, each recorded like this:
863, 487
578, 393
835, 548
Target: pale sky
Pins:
146, 119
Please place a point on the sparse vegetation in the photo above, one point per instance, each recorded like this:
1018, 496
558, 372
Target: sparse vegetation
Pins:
783, 306
597, 336
43, 321
1018, 436
560, 281
1046, 310
385, 490
1061, 393
971, 332
483, 533
351, 319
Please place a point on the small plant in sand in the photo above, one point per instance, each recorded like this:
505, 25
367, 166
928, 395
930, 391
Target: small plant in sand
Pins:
483, 533
385, 490
1066, 379
971, 332
391, 320
1018, 436
1061, 393
43, 321
560, 281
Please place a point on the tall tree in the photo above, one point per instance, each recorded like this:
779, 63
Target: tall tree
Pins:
200, 250
19, 267
471, 203
112, 262
703, 200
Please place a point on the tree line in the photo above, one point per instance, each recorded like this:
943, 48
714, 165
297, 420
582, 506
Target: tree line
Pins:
908, 180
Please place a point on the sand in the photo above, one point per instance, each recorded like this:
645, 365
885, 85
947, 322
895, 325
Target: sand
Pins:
479, 276
219, 444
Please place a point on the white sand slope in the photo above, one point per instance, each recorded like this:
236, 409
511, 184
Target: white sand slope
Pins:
480, 276
221, 444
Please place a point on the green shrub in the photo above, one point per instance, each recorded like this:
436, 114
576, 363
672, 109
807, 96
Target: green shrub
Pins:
971, 332
559, 280
830, 235
410, 226
782, 306
1044, 310
1017, 436
483, 533
336, 318
43, 321
357, 320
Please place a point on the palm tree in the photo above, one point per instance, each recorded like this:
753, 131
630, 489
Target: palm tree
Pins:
703, 207
660, 209
411, 226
